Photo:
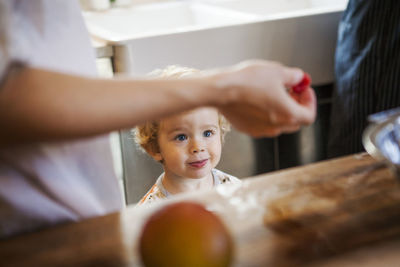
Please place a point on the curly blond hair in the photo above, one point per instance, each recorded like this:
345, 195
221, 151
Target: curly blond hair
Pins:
146, 135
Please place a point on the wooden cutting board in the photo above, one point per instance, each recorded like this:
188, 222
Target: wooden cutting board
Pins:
342, 212
343, 208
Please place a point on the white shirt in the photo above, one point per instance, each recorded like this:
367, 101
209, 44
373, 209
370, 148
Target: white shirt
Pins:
158, 192
45, 184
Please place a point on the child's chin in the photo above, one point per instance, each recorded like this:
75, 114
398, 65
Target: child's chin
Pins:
199, 174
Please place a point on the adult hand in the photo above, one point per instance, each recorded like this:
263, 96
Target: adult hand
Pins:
258, 101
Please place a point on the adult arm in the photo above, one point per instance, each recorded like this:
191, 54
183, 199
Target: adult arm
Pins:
40, 105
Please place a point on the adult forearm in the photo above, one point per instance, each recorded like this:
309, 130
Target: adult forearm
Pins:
38, 105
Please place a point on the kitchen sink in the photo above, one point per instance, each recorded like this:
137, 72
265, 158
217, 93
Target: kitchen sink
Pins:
279, 8
137, 21
119, 25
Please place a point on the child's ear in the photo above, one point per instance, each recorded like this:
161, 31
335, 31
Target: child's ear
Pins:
156, 156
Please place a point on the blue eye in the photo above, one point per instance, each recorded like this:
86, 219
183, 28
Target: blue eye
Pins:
180, 137
207, 133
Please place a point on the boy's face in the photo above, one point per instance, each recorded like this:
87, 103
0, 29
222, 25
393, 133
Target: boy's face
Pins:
190, 143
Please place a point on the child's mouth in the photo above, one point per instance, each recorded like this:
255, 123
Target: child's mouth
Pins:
198, 164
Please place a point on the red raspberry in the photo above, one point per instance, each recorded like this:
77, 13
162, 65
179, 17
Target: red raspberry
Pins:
303, 84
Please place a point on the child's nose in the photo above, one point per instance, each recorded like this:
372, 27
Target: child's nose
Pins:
197, 147
196, 150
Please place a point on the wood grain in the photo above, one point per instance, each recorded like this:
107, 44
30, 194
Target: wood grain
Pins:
340, 212
335, 214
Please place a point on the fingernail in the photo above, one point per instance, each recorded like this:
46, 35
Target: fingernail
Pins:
298, 75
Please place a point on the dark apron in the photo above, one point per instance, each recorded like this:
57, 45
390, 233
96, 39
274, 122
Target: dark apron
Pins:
367, 69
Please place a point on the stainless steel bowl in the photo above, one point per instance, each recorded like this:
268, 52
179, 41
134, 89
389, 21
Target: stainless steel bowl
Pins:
381, 138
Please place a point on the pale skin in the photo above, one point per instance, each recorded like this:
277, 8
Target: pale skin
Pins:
189, 148
39, 105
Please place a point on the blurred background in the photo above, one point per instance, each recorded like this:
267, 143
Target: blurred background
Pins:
132, 38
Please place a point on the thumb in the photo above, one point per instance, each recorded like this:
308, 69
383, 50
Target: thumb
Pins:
292, 76
306, 107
